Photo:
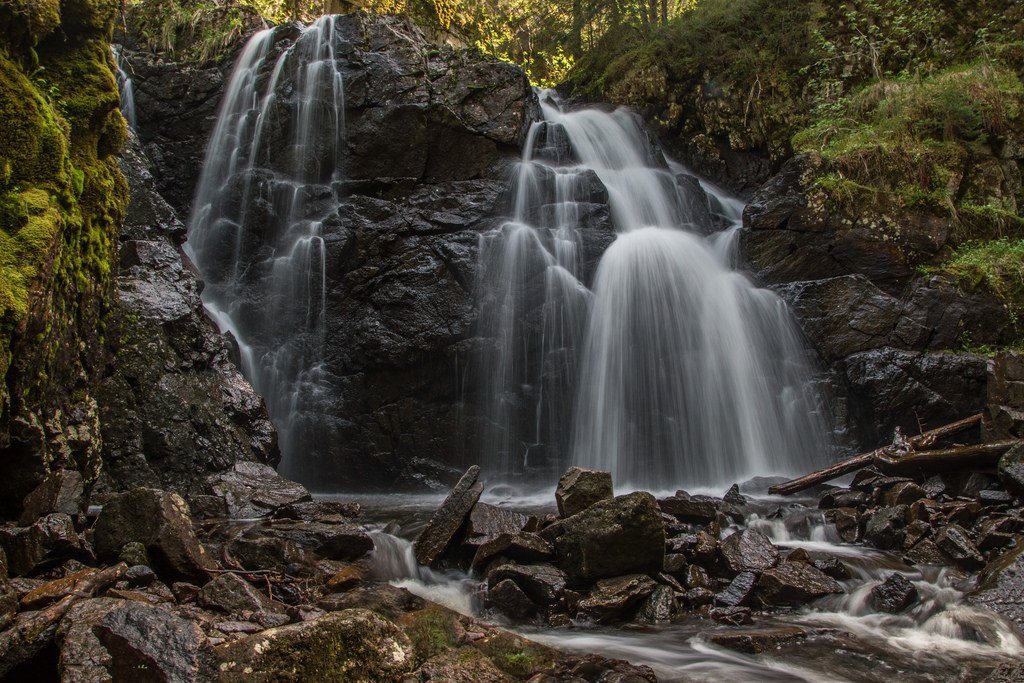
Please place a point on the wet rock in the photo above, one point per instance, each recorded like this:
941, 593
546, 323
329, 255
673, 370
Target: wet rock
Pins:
353, 644
794, 583
233, 594
519, 547
739, 591
615, 537
955, 542
345, 578
994, 497
734, 497
612, 599
916, 531
749, 551
842, 498
449, 518
699, 597
510, 599
847, 522
1001, 586
658, 608
543, 583
580, 488
894, 595
329, 511
252, 489
52, 591
341, 542
384, 599
259, 551
139, 575
704, 549
831, 566
133, 553
461, 665
696, 577
61, 491
902, 493
732, 616
756, 641
927, 553
1011, 470
115, 640
884, 527
487, 522
159, 520
699, 509
597, 668
48, 541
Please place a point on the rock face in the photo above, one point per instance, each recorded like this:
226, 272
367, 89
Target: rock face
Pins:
1001, 586
625, 535
175, 407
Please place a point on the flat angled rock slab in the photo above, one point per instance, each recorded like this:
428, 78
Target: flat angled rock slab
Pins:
448, 518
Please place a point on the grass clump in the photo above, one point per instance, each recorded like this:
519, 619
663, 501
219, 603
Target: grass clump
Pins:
995, 265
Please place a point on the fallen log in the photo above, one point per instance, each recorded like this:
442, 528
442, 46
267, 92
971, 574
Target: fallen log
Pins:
33, 631
980, 455
900, 444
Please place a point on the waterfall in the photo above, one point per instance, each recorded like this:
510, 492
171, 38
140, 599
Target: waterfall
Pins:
125, 87
671, 369
256, 228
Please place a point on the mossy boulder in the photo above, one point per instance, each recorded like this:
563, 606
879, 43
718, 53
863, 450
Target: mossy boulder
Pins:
354, 645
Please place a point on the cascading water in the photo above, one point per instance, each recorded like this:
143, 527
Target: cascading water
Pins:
125, 87
256, 228
675, 370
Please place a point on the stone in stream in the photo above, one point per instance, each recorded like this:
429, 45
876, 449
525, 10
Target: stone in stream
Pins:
847, 523
894, 595
831, 566
658, 608
994, 497
543, 583
884, 527
734, 497
351, 645
61, 491
449, 518
749, 551
487, 522
926, 552
699, 509
624, 535
756, 641
1001, 586
794, 583
732, 616
159, 520
343, 542
256, 551
1011, 470
739, 591
580, 488
612, 599
955, 542
902, 493
252, 490
508, 597
518, 547
461, 665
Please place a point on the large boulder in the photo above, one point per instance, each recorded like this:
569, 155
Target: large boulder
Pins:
252, 489
749, 551
159, 520
1000, 586
624, 535
580, 488
350, 645
61, 491
795, 583
48, 541
612, 599
1011, 470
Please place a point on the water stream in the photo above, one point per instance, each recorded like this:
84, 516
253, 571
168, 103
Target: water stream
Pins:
125, 87
939, 639
665, 366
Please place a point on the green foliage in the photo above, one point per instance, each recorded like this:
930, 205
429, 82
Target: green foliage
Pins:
432, 631
198, 31
996, 266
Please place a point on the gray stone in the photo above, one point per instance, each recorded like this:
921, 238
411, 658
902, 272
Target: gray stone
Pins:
1001, 586
510, 599
884, 528
955, 542
894, 595
749, 550
252, 489
1011, 470
756, 641
739, 591
449, 518
580, 488
519, 547
543, 583
794, 583
613, 599
61, 491
47, 541
624, 535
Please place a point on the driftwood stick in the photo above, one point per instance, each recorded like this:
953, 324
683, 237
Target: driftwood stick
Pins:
857, 462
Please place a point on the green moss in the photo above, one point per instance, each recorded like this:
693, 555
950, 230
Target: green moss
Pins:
432, 631
514, 654
996, 265
202, 32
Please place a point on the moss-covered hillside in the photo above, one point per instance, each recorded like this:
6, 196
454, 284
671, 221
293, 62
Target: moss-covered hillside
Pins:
914, 108
62, 198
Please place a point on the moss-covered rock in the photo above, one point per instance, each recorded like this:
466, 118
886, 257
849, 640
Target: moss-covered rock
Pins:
62, 197
354, 645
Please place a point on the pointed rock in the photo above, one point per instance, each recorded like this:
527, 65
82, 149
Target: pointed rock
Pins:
449, 518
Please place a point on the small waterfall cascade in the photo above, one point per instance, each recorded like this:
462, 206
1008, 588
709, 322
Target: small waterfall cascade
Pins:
125, 87
268, 185
667, 367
